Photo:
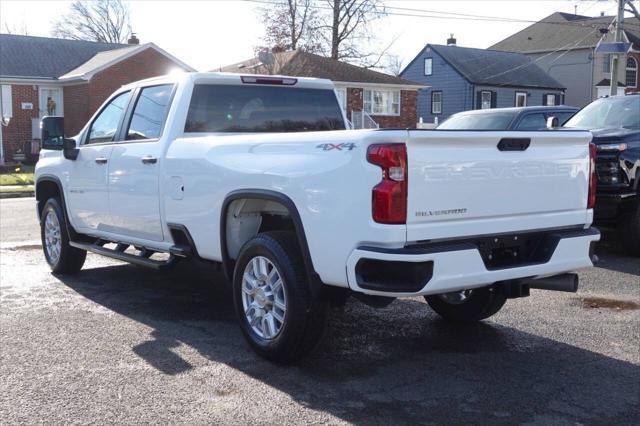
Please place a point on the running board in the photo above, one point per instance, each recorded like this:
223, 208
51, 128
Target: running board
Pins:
142, 259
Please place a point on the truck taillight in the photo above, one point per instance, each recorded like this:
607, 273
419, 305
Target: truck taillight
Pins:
389, 197
591, 201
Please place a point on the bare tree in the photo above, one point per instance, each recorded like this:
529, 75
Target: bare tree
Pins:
22, 30
350, 32
290, 25
105, 21
394, 64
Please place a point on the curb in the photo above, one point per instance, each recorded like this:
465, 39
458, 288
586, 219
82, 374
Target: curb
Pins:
22, 194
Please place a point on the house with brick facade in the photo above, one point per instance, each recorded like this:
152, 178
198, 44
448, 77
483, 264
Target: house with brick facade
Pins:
42, 76
369, 98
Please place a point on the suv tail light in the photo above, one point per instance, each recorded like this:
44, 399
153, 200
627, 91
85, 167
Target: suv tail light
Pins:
389, 197
591, 201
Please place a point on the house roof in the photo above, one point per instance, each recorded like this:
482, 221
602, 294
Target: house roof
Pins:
105, 59
298, 63
564, 31
496, 68
30, 57
607, 83
43, 57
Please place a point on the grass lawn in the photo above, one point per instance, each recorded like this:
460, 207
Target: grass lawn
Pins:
16, 179
19, 175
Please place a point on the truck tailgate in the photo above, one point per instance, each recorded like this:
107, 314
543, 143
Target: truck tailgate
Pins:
462, 184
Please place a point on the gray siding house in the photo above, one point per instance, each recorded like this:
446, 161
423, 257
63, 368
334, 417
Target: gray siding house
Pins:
564, 44
461, 79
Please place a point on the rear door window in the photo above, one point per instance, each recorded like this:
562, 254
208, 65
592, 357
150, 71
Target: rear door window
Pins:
256, 108
150, 112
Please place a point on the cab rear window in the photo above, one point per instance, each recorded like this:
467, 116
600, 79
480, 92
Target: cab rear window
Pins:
262, 109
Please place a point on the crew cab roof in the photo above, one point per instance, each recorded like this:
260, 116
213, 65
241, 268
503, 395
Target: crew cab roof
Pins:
229, 78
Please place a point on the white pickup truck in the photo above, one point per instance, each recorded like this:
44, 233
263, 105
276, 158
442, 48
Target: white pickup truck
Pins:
260, 175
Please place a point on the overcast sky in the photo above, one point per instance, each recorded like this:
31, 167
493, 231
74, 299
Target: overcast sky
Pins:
209, 34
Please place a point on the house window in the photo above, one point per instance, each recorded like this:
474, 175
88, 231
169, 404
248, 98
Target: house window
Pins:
382, 102
521, 99
549, 99
341, 93
428, 66
436, 102
485, 97
606, 64
632, 73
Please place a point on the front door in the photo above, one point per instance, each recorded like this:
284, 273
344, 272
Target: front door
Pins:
88, 196
51, 101
134, 168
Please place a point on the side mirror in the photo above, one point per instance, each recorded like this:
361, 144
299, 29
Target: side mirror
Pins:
70, 151
552, 122
52, 132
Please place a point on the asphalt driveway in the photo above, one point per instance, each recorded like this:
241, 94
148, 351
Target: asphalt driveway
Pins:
118, 343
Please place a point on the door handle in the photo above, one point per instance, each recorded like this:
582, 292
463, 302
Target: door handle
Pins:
149, 160
101, 160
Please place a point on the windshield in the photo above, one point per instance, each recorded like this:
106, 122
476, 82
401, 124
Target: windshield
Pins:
608, 113
489, 121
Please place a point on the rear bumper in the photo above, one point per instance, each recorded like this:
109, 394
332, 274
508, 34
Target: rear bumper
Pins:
457, 266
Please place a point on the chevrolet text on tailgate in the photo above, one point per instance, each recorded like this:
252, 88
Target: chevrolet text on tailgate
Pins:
259, 175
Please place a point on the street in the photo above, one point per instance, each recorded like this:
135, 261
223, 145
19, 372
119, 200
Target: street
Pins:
119, 343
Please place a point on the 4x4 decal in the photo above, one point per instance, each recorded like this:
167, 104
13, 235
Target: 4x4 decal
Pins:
348, 146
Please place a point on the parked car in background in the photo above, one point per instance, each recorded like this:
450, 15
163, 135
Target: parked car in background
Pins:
522, 118
615, 124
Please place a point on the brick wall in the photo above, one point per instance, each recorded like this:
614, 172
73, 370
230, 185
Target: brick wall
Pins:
76, 108
146, 64
408, 109
17, 136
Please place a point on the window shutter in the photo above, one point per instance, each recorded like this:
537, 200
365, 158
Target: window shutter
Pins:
494, 99
544, 99
558, 100
478, 99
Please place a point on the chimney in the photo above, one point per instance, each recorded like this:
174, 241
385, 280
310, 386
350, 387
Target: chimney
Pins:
451, 41
133, 39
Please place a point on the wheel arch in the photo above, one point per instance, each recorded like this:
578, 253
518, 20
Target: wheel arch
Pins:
45, 188
298, 227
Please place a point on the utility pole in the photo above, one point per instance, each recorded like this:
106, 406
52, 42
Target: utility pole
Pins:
615, 58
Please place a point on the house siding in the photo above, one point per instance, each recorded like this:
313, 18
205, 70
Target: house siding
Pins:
457, 93
574, 70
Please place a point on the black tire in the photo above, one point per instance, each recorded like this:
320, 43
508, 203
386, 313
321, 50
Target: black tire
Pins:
629, 229
305, 316
70, 259
480, 304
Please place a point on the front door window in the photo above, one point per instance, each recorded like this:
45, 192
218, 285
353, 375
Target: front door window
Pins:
51, 101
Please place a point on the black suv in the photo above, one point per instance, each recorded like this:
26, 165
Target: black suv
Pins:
615, 124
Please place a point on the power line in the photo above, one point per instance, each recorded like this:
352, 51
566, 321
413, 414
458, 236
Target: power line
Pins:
425, 13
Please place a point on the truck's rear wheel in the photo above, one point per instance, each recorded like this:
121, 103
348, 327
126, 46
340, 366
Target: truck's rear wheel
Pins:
467, 305
277, 314
61, 257
629, 229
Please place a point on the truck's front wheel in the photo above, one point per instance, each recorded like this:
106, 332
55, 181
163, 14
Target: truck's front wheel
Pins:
60, 255
467, 305
629, 229
278, 316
